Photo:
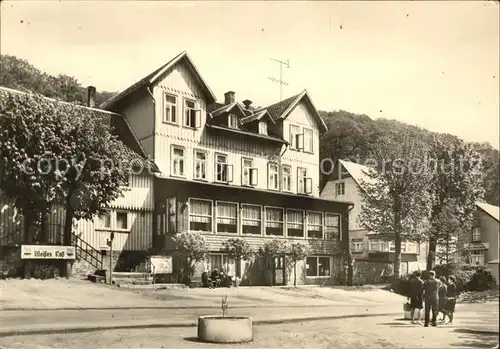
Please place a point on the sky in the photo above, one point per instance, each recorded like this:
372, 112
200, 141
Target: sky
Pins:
432, 64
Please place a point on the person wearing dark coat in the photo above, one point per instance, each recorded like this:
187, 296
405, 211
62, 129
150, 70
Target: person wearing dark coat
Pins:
416, 300
443, 294
431, 298
451, 298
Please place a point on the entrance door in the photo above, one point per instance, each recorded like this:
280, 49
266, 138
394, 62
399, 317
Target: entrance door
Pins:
279, 271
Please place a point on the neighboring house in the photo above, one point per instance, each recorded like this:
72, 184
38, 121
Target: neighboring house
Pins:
484, 237
346, 185
228, 169
130, 217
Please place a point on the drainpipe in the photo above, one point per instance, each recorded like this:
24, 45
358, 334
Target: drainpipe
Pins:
347, 249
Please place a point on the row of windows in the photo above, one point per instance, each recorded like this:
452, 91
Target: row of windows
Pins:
247, 219
191, 115
114, 220
278, 177
316, 266
358, 245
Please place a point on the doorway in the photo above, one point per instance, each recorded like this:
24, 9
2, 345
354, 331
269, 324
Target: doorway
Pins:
278, 269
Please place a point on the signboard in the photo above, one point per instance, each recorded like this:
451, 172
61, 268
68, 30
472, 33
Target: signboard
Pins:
477, 246
162, 264
47, 252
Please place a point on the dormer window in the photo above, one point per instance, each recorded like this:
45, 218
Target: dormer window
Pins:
232, 121
263, 128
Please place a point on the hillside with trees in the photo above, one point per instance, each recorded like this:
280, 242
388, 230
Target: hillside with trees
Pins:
350, 136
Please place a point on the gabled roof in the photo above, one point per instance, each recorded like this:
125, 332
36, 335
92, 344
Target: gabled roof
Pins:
282, 109
156, 75
119, 125
257, 116
226, 108
357, 172
493, 211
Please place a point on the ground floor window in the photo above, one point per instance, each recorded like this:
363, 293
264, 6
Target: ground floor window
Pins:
318, 266
251, 219
274, 221
114, 220
227, 217
314, 225
200, 215
477, 257
295, 223
332, 226
220, 262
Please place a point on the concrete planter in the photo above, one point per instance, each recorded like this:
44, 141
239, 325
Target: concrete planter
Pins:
225, 329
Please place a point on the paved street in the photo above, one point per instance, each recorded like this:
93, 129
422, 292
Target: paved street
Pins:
319, 317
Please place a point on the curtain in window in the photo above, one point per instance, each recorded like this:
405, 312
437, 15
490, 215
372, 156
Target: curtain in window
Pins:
251, 215
274, 215
201, 211
226, 213
295, 219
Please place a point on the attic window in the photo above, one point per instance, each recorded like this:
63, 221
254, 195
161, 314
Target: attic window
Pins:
262, 128
232, 121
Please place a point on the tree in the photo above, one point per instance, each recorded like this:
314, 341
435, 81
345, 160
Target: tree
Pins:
60, 153
240, 250
395, 200
19, 74
455, 187
297, 252
192, 248
275, 248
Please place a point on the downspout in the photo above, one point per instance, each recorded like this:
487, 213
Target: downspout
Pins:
347, 249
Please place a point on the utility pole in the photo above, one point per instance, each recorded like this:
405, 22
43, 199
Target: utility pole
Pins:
280, 81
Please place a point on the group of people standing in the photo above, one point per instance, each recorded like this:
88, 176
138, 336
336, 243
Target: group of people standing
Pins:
439, 296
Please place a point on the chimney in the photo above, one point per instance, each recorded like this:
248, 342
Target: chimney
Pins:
91, 96
229, 97
247, 103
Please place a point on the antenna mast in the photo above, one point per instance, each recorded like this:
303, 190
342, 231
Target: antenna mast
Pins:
280, 81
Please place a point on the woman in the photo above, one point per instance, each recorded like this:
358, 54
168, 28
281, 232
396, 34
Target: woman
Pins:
451, 296
443, 293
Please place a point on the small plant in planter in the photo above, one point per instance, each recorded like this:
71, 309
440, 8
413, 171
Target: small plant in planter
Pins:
225, 329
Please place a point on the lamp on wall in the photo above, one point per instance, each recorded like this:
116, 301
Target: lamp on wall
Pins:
185, 205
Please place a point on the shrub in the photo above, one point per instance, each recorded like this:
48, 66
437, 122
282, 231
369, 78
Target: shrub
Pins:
401, 285
482, 280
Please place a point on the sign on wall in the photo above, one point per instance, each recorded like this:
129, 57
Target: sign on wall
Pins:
47, 252
162, 264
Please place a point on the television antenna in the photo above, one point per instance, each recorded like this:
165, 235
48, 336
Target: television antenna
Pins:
280, 81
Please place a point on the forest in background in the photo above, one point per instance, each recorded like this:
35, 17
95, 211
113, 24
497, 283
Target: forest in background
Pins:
350, 136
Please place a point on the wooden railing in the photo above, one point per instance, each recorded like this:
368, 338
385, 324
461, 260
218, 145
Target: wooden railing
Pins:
87, 252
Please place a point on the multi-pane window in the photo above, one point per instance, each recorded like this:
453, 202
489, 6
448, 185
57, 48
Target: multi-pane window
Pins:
227, 217
378, 246
357, 245
340, 188
248, 173
295, 223
221, 262
286, 178
232, 121
476, 234
251, 219
121, 220
177, 161
190, 114
171, 215
477, 257
294, 137
200, 215
170, 114
274, 221
314, 225
308, 140
223, 171
318, 267
200, 164
263, 128
301, 180
332, 226
273, 176
105, 220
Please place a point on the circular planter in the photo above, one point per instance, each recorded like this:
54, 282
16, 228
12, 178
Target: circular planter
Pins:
225, 329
